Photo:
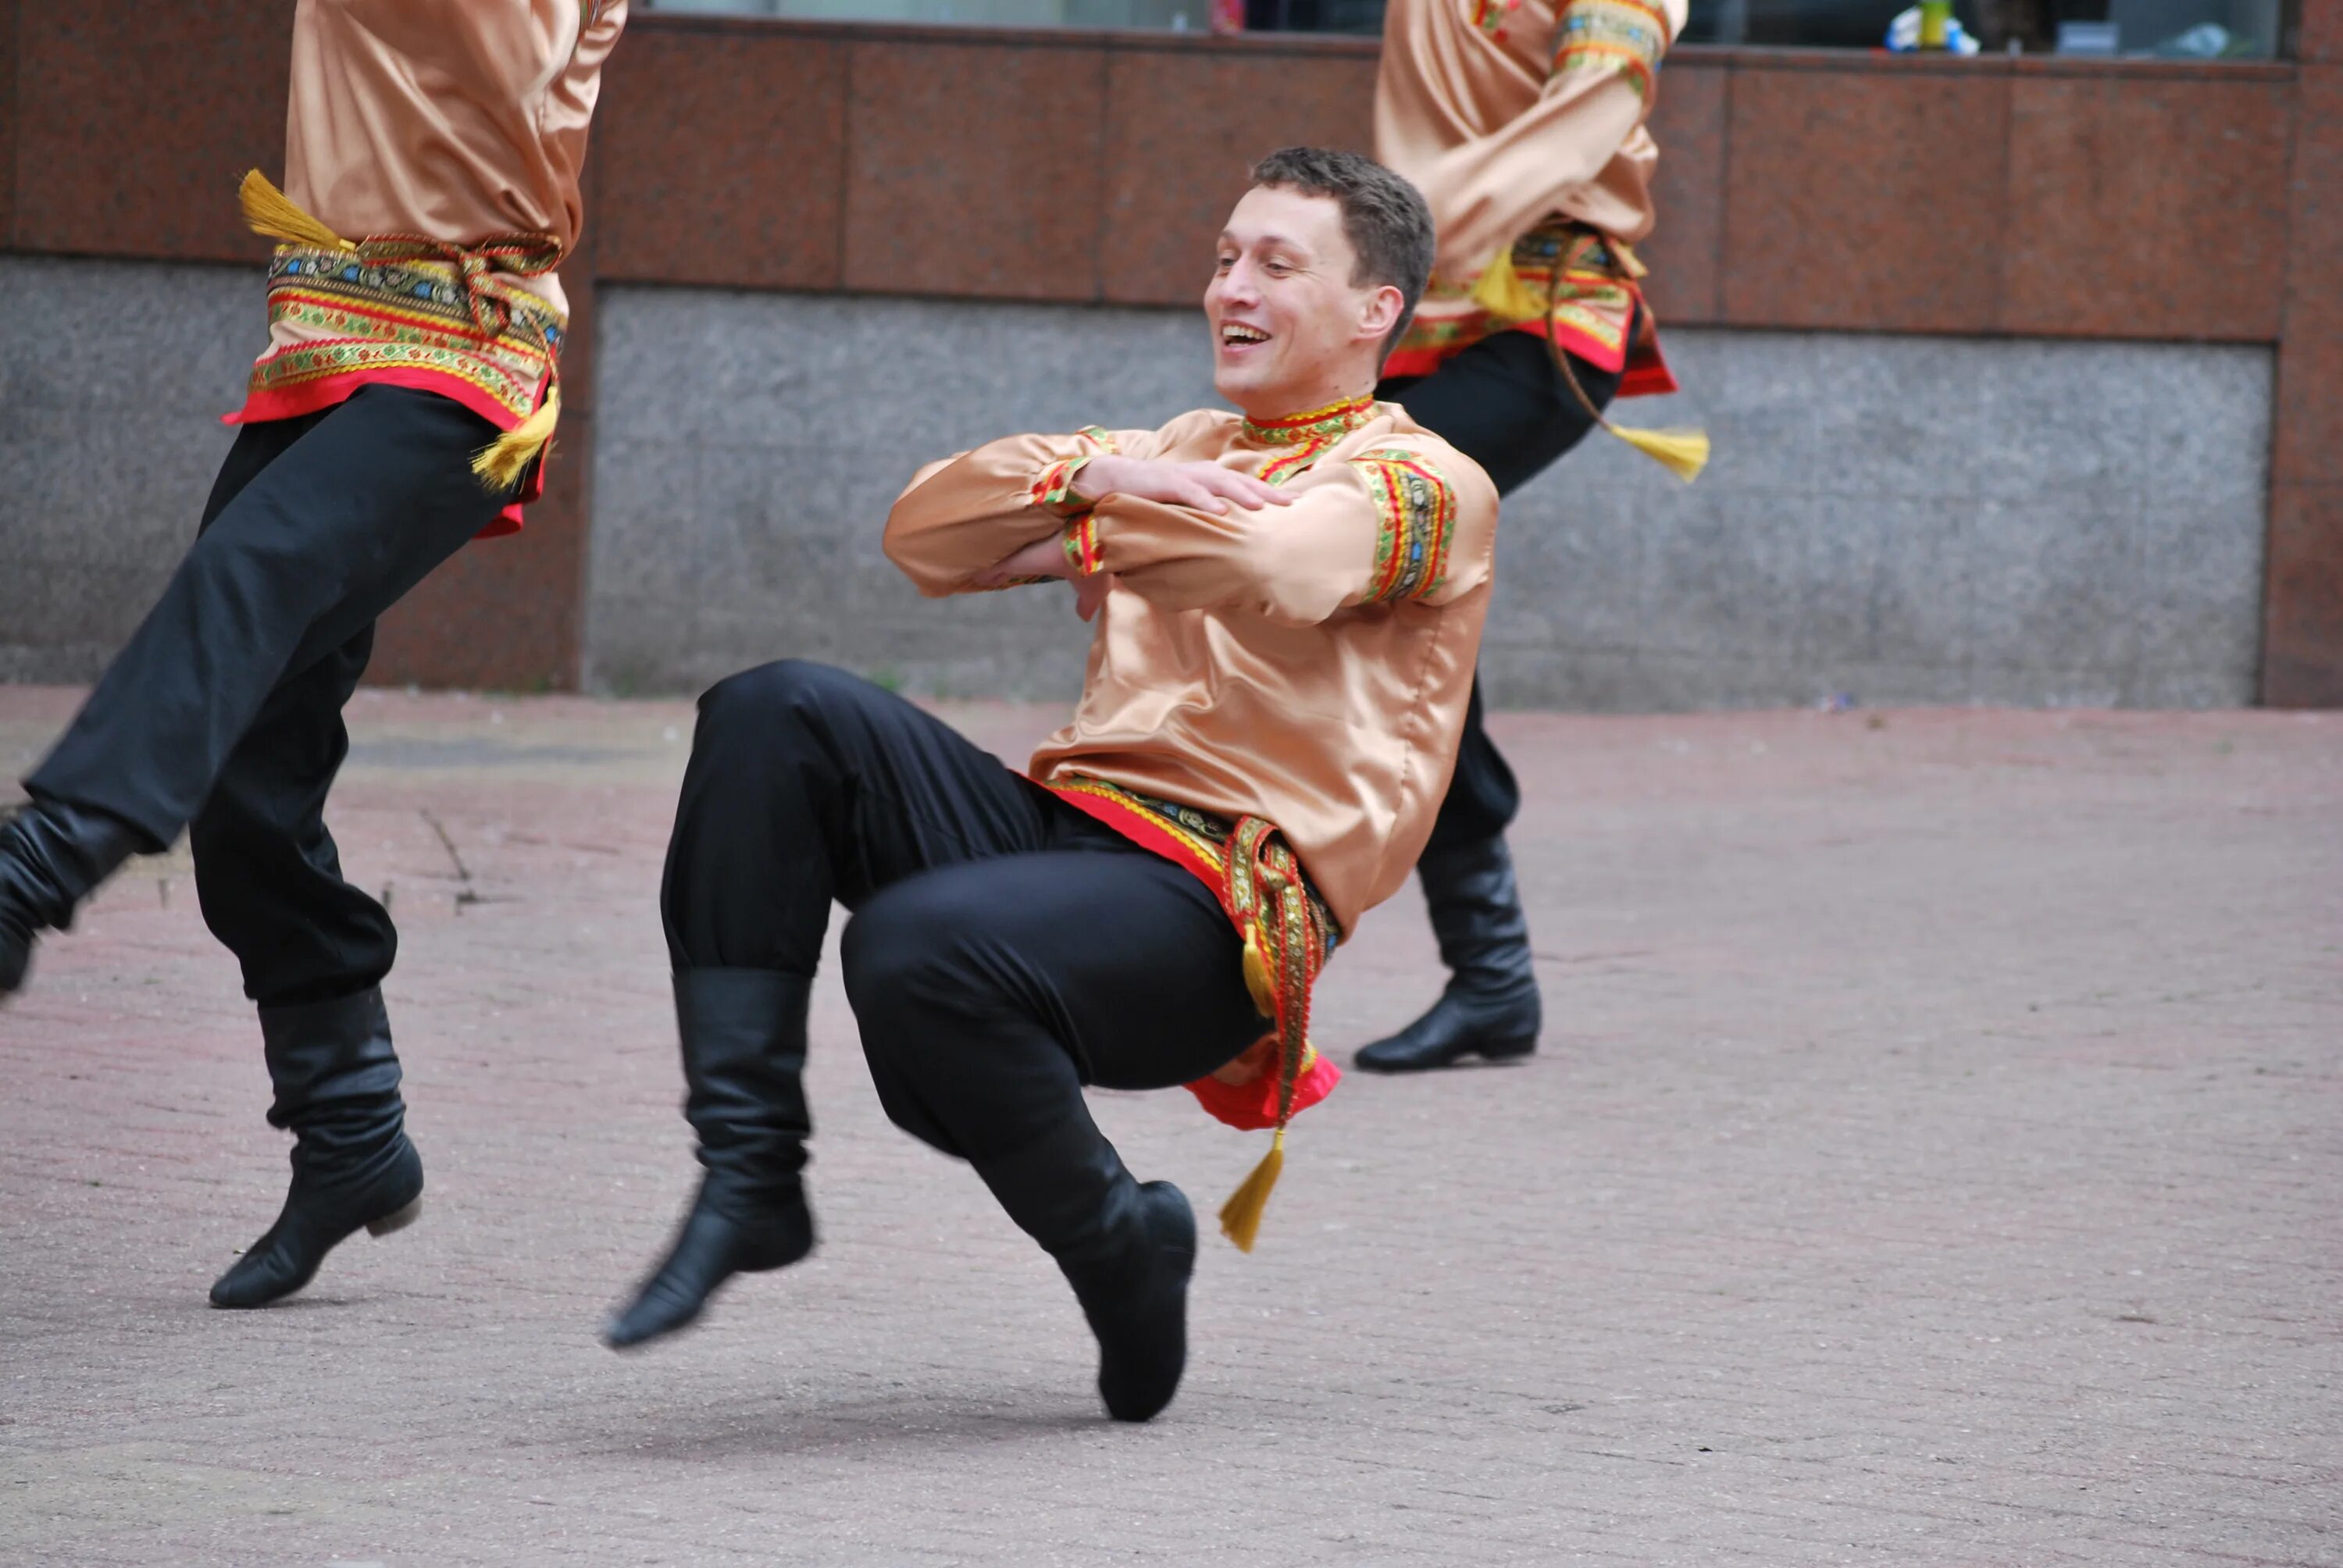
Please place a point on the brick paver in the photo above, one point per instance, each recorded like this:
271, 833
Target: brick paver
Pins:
1935, 1157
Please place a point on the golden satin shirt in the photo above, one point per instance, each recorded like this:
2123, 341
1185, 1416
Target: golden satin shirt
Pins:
457, 119
1309, 664
1524, 124
461, 125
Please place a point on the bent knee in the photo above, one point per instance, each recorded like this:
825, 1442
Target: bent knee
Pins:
779, 687
909, 954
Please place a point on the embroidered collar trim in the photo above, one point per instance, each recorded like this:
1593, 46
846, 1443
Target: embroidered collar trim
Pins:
1330, 422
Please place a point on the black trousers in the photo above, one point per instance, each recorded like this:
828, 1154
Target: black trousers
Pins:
223, 714
1503, 404
1004, 949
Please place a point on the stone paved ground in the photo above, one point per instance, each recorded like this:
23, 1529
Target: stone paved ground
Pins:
1936, 1157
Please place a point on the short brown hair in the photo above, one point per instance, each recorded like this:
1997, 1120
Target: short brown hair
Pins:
1384, 217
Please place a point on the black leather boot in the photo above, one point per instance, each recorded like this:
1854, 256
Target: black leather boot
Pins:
744, 1041
1126, 1248
51, 856
1491, 1005
337, 1082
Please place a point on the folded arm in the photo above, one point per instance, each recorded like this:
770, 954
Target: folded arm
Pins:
960, 517
1391, 525
1605, 72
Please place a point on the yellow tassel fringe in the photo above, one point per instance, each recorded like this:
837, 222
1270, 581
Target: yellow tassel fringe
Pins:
1508, 300
1240, 1215
1256, 976
1502, 294
1684, 453
501, 462
271, 214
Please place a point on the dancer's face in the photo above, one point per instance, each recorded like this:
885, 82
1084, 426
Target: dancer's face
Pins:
1290, 328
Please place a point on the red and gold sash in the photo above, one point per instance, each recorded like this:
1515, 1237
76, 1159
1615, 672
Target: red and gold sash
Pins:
1288, 935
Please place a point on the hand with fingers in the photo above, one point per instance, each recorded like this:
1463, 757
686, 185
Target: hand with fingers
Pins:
1046, 558
1206, 486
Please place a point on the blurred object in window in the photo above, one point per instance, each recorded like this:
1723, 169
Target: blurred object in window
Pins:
2248, 28
2086, 38
1903, 34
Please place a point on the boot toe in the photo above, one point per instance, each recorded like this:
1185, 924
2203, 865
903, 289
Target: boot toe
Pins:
712, 1248
1144, 1338
317, 1219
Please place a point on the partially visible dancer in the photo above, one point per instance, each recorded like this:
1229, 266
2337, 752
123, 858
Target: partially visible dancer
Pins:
401, 408
1289, 602
1522, 123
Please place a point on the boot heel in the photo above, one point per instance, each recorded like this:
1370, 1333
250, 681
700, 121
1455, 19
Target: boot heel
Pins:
1507, 1050
397, 1220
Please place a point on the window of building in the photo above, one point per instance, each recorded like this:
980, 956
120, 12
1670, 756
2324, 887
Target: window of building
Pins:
2167, 29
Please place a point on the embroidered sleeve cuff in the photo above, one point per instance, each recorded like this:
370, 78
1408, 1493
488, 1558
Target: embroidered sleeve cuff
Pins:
1083, 552
1053, 488
1417, 520
1626, 37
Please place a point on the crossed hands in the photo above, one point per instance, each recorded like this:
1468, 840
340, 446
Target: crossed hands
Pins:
1204, 487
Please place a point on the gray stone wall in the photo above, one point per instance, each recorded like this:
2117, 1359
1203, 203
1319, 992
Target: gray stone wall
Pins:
112, 377
1899, 520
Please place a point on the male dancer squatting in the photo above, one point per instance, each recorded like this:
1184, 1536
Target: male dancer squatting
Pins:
1288, 601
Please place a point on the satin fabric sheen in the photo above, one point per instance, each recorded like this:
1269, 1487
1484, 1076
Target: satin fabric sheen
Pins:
1235, 666
1496, 145
455, 119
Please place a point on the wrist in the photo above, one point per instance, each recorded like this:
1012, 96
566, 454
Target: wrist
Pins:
1057, 488
1091, 477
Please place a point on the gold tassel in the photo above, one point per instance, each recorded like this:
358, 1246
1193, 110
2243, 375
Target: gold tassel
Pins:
1502, 294
1685, 453
272, 214
501, 462
1256, 974
1240, 1215
1506, 298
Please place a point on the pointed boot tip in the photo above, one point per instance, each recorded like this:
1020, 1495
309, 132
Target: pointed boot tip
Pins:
623, 1333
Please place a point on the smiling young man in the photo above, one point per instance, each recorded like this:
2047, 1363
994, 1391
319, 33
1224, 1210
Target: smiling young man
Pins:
1288, 603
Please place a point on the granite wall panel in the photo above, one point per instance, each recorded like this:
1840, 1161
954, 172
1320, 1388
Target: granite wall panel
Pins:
1867, 197
1873, 524
1797, 190
1010, 212
2302, 665
2302, 640
136, 121
1686, 250
2125, 192
1181, 130
10, 59
720, 158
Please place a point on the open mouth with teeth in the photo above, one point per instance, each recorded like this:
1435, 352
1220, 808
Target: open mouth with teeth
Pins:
1237, 335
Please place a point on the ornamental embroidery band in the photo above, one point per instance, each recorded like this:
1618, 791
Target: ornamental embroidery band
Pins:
1331, 423
1306, 437
410, 316
1417, 523
1491, 15
1623, 36
1081, 545
1055, 485
1198, 839
1560, 260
